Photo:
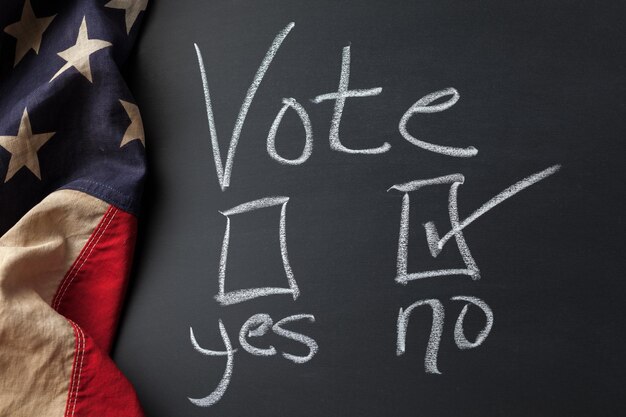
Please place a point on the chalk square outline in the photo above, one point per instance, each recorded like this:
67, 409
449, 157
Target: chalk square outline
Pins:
226, 298
402, 274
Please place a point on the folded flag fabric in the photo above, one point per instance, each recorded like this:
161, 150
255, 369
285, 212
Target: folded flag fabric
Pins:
72, 163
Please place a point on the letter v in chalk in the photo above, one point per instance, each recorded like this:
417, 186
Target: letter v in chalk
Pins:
224, 172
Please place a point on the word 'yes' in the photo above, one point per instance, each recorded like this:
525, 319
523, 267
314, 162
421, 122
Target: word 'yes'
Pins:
256, 326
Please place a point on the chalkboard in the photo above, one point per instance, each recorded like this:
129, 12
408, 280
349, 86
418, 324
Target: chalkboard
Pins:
425, 202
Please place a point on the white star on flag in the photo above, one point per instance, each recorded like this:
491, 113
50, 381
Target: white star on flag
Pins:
28, 31
77, 56
23, 148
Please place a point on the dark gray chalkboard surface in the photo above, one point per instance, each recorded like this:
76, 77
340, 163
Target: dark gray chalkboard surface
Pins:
531, 320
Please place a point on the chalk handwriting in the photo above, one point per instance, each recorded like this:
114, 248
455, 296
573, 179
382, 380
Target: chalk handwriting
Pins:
423, 105
238, 296
430, 359
305, 340
223, 173
436, 330
258, 325
255, 328
308, 133
436, 244
217, 394
340, 101
459, 336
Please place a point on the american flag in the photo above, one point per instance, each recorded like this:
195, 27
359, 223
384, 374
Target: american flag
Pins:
72, 164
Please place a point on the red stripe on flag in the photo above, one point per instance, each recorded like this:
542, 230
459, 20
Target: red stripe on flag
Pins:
97, 388
92, 291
